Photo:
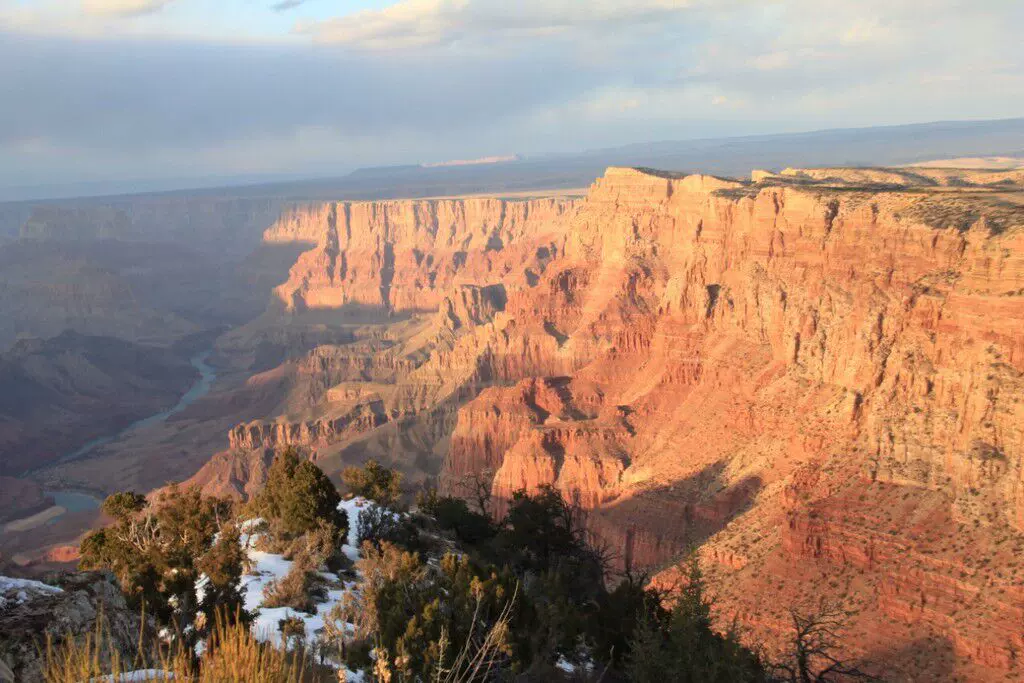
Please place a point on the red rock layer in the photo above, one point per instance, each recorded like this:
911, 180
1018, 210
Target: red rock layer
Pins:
747, 334
405, 255
819, 384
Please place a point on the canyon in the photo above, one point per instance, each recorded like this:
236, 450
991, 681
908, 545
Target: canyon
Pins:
69, 388
813, 378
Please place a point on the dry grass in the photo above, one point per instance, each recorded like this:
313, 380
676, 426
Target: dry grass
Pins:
232, 655
74, 661
300, 589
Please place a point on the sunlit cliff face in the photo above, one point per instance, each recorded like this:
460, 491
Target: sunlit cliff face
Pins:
814, 377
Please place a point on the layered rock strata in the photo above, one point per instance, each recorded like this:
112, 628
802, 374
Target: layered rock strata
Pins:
816, 377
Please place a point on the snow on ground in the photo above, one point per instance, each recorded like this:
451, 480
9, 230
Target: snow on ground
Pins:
18, 591
8, 584
140, 676
352, 509
354, 676
568, 667
269, 567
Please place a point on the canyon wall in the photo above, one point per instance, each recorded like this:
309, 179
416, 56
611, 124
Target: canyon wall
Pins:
406, 255
817, 378
61, 392
228, 224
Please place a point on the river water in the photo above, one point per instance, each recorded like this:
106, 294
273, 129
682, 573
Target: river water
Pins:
78, 501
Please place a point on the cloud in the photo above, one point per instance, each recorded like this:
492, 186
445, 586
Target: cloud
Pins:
424, 23
771, 61
123, 7
139, 106
285, 5
435, 79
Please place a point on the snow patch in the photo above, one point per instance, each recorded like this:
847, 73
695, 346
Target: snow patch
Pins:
140, 676
18, 591
270, 567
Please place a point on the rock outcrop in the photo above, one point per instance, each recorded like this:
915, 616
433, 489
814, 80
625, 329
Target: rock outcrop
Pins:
816, 377
257, 435
32, 613
406, 255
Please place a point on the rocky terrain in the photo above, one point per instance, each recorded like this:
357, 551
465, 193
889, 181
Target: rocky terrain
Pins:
138, 269
65, 390
67, 606
103, 303
816, 376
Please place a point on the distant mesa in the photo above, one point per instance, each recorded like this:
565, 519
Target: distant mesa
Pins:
474, 162
413, 169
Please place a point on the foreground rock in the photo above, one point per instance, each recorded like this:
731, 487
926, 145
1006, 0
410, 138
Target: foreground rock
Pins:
32, 612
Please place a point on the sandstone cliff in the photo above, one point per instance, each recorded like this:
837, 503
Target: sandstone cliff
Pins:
817, 377
406, 255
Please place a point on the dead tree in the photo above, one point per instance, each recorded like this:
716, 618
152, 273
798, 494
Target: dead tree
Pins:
815, 647
476, 488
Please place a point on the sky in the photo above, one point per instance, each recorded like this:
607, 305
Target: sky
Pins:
118, 90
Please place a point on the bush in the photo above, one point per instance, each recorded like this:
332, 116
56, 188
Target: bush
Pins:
298, 497
618, 614
374, 482
322, 546
154, 548
379, 525
541, 529
681, 645
428, 617
123, 504
454, 515
293, 630
300, 589
223, 565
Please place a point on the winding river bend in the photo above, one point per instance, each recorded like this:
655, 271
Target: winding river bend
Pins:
77, 501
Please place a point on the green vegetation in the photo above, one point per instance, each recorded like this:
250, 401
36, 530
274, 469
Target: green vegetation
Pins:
444, 593
374, 482
158, 549
298, 498
380, 525
223, 564
681, 645
534, 575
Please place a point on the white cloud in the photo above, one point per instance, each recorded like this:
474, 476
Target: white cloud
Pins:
771, 61
423, 23
865, 32
123, 7
435, 79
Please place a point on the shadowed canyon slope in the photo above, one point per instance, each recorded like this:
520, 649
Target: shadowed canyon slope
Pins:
66, 390
818, 377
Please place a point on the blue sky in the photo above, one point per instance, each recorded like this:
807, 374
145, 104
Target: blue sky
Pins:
206, 19
109, 90
250, 18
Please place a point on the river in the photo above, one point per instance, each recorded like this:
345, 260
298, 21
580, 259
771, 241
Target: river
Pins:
79, 501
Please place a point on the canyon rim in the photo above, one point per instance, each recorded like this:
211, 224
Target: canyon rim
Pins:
622, 341
814, 378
